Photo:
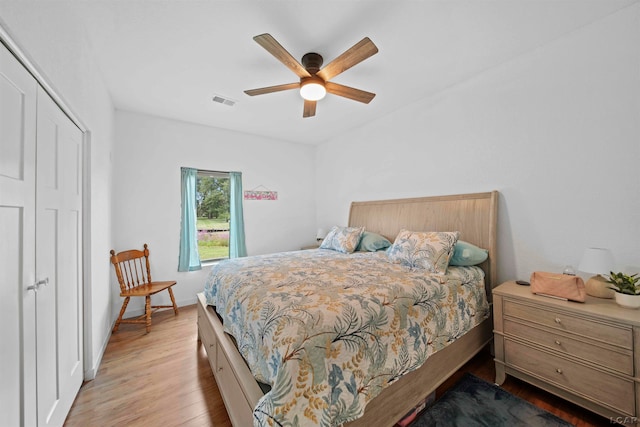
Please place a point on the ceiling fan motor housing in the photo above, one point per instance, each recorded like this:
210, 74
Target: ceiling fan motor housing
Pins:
312, 62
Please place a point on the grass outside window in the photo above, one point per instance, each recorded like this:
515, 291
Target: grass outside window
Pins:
213, 239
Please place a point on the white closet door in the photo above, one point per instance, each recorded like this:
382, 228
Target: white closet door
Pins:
58, 262
17, 239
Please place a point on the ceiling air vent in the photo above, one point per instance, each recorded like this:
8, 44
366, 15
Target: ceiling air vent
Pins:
225, 101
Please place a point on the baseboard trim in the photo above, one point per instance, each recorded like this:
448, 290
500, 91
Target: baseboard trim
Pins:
91, 373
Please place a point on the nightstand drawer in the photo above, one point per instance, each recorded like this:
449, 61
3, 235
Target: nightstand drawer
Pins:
616, 392
607, 333
617, 359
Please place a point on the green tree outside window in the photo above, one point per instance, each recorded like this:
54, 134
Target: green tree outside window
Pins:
212, 207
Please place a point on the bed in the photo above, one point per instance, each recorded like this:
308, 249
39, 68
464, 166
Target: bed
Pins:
405, 379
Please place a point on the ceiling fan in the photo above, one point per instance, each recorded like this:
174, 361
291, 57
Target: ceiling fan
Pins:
314, 81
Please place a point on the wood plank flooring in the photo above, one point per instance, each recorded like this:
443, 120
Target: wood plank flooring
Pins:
163, 379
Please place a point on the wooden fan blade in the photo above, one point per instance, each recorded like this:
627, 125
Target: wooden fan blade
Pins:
309, 108
352, 56
273, 47
271, 89
349, 92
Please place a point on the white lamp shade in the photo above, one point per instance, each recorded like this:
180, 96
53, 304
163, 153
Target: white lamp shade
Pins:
321, 234
596, 261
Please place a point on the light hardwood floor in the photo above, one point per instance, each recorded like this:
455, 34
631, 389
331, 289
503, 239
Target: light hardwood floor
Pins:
163, 379
158, 379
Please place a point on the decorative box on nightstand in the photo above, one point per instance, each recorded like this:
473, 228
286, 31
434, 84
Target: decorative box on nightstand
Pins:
587, 353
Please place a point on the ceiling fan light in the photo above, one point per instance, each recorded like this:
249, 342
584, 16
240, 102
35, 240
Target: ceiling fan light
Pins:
312, 89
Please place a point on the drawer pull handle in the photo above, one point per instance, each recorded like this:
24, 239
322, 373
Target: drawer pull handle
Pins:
558, 370
558, 321
558, 342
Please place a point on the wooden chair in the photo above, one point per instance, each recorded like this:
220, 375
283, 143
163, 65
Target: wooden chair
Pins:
135, 281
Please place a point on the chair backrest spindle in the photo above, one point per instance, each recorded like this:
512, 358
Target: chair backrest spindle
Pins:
128, 274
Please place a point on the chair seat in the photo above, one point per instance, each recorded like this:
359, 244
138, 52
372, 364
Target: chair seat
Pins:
147, 289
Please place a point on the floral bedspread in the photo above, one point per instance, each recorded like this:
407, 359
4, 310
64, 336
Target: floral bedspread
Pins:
328, 331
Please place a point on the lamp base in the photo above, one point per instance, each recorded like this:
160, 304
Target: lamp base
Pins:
597, 286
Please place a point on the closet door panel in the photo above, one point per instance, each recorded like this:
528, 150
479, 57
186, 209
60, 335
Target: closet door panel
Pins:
46, 315
58, 260
11, 312
17, 250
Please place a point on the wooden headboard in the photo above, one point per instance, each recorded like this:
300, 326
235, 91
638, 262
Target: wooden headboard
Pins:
473, 215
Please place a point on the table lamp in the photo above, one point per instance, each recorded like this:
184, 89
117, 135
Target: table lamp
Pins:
597, 261
320, 234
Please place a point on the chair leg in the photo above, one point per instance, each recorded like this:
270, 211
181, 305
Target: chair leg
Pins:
173, 301
122, 310
147, 311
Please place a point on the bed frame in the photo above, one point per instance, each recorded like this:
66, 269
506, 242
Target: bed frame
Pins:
474, 215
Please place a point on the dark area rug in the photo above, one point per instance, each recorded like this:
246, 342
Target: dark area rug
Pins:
475, 402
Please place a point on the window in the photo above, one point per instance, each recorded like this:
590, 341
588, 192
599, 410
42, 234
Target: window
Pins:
212, 220
213, 213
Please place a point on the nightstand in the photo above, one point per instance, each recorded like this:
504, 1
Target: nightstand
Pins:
587, 353
314, 246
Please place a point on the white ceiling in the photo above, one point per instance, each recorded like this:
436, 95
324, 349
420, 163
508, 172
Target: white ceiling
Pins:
169, 58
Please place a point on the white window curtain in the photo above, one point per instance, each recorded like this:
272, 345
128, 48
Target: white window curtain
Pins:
189, 259
237, 247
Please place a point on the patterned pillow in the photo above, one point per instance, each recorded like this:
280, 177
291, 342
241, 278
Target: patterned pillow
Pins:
430, 251
342, 239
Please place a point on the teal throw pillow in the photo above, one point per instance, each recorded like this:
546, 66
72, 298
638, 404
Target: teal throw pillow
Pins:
464, 253
372, 242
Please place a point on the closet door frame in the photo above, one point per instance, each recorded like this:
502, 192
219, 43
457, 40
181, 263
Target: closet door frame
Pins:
22, 56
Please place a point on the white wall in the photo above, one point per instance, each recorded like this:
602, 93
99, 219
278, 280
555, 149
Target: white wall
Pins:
62, 54
149, 152
556, 131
